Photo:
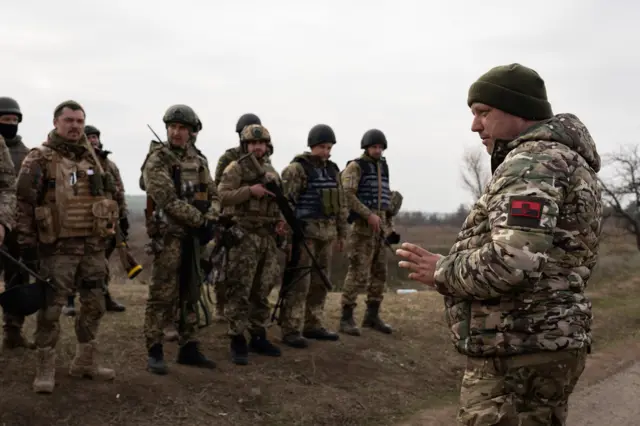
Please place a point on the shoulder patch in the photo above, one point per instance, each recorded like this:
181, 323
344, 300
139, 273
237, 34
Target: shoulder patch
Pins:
525, 211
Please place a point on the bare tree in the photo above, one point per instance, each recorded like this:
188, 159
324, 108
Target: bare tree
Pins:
621, 193
475, 174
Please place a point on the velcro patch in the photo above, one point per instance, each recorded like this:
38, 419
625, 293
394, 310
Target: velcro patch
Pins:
525, 211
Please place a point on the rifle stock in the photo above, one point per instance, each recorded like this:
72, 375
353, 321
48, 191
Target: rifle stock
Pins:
129, 263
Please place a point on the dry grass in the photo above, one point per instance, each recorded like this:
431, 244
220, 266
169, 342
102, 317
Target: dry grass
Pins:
370, 380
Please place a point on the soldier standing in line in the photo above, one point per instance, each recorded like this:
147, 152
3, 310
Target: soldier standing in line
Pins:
93, 136
10, 117
252, 269
183, 206
231, 154
514, 281
368, 194
311, 182
65, 217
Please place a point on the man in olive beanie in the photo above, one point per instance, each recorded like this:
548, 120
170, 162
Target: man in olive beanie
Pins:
513, 283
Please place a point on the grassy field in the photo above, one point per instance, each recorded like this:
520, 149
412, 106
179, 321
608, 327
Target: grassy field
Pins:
374, 379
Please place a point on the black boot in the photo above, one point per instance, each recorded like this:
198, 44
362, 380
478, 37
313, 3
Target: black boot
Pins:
347, 323
239, 350
295, 340
261, 345
155, 363
190, 354
70, 309
372, 318
112, 305
320, 333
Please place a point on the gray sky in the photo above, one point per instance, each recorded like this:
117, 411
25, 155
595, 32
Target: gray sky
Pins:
403, 67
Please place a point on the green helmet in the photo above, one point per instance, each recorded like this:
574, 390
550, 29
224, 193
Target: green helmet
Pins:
182, 114
91, 130
246, 120
373, 137
320, 133
10, 106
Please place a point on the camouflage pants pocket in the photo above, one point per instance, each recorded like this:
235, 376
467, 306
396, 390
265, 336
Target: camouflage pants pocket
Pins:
523, 390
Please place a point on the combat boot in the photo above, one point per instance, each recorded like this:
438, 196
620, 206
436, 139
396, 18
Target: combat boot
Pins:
85, 363
14, 339
320, 333
295, 340
70, 309
372, 318
190, 354
112, 305
239, 350
347, 323
155, 362
261, 345
45, 379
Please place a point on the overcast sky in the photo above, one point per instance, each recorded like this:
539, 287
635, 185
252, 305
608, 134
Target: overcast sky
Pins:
401, 66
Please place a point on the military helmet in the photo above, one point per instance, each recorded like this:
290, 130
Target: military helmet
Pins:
270, 148
91, 130
10, 106
254, 133
373, 137
246, 120
320, 133
182, 114
198, 123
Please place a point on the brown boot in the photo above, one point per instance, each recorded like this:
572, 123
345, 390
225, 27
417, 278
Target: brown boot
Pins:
86, 365
45, 379
14, 339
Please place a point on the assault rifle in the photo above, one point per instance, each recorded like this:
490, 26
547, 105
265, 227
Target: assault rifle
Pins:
27, 298
298, 240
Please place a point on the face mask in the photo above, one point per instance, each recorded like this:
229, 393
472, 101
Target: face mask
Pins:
8, 131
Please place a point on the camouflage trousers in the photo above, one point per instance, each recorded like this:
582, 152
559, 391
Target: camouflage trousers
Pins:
253, 270
367, 269
164, 294
522, 390
87, 272
12, 277
303, 305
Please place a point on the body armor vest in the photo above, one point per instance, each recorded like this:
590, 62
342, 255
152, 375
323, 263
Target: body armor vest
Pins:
77, 201
320, 199
373, 188
263, 209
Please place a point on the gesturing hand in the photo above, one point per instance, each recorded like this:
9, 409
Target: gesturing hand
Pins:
421, 263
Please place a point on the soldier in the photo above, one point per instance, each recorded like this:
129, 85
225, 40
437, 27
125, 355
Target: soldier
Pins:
253, 268
93, 136
184, 205
10, 117
368, 195
514, 280
65, 217
231, 154
312, 183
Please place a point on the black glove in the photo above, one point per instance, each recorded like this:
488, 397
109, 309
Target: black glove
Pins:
202, 205
124, 226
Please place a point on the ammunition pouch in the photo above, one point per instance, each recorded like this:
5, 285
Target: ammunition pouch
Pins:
96, 184
330, 201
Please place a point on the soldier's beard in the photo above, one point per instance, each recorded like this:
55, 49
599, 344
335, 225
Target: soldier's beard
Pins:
8, 131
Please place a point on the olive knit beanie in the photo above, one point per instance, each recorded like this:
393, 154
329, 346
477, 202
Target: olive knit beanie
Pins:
514, 89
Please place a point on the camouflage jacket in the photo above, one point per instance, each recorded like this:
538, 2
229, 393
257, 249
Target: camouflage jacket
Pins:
173, 211
235, 194
7, 188
32, 184
350, 178
514, 280
110, 167
231, 154
18, 151
294, 182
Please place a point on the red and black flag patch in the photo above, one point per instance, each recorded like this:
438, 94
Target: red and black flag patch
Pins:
525, 211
